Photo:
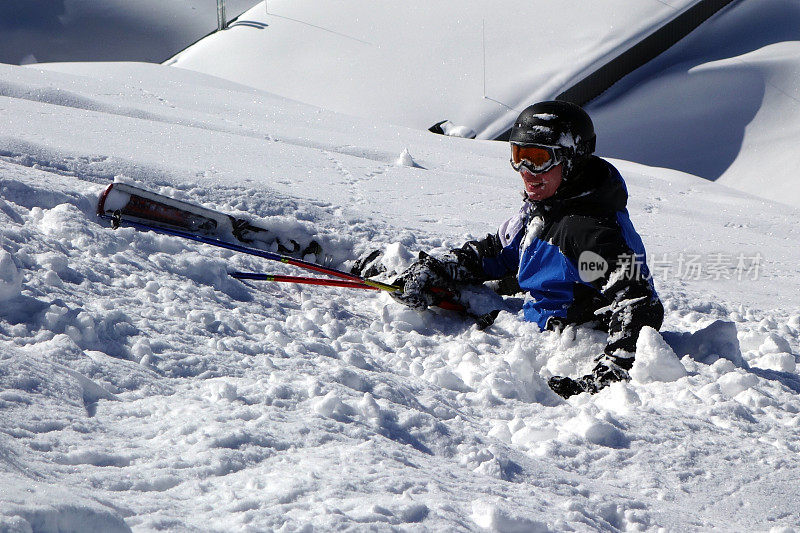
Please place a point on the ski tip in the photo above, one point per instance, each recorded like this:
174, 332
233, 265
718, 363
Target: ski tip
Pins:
101, 204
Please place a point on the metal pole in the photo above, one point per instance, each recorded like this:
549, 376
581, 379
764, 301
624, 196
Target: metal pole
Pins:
222, 23
484, 58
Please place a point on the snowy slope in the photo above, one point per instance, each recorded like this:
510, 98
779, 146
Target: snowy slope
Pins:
422, 62
111, 30
142, 388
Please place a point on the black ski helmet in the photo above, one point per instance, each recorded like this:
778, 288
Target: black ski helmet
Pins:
556, 124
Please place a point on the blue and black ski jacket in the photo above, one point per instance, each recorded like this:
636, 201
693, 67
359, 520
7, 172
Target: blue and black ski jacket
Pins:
576, 255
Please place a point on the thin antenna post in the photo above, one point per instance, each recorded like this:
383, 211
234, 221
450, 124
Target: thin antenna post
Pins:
222, 21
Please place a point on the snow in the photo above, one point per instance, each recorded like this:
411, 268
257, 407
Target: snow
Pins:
419, 65
746, 60
112, 30
448, 128
141, 388
493, 517
655, 360
10, 277
405, 160
421, 62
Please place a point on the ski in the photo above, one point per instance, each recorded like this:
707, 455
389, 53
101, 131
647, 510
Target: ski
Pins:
123, 203
127, 205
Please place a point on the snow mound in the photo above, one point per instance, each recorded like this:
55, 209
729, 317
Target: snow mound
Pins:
782, 362
494, 517
597, 431
716, 341
405, 160
735, 382
655, 360
774, 343
10, 277
396, 257
451, 130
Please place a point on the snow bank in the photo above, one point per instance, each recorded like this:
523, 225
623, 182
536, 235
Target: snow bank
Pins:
748, 71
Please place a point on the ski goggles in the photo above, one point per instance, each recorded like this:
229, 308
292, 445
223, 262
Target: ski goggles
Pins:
536, 158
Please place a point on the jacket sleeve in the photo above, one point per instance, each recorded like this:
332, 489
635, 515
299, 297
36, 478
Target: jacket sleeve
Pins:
481, 260
632, 301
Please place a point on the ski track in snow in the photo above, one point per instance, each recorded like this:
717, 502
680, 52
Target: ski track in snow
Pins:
141, 387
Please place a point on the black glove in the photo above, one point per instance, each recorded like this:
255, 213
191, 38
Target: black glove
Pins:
609, 369
424, 284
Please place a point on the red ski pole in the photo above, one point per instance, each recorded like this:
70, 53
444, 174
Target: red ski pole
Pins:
309, 281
